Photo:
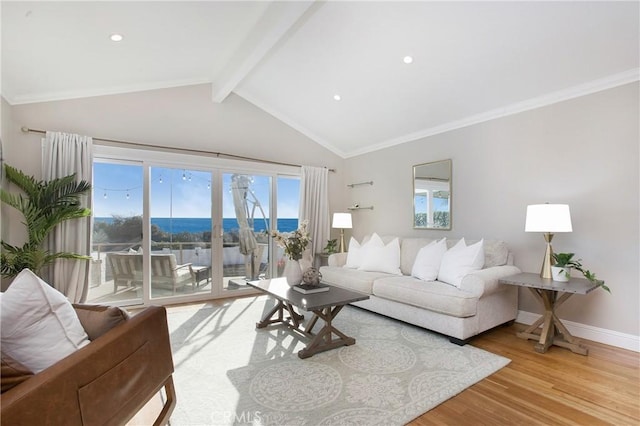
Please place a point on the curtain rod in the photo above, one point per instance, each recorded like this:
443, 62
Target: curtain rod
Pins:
26, 129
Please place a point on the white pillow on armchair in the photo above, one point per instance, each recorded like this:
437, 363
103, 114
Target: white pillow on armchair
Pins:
39, 324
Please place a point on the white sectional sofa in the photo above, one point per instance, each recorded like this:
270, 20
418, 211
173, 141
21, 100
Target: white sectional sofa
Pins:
478, 304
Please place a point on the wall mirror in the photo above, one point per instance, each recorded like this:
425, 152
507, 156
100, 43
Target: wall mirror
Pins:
432, 195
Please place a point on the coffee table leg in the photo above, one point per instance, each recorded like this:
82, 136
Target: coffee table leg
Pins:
293, 320
324, 340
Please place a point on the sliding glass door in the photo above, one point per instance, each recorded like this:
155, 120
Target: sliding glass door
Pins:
116, 267
165, 233
180, 232
246, 223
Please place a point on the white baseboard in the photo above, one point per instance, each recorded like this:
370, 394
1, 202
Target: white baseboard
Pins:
583, 331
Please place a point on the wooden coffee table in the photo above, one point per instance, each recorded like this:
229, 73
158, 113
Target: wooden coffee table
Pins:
325, 306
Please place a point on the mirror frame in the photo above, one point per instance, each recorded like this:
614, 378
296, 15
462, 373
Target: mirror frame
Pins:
442, 163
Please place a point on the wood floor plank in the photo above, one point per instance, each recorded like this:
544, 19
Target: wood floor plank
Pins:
554, 388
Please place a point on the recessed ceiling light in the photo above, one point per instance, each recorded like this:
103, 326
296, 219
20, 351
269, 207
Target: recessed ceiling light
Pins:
407, 59
116, 37
336, 97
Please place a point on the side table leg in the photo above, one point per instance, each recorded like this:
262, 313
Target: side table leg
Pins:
566, 340
548, 329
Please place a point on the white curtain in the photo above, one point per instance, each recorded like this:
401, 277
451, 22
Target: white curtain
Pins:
62, 155
314, 205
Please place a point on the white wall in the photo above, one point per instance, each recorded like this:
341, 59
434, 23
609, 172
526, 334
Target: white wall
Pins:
583, 152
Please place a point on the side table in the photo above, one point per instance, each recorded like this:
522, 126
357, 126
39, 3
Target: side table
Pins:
202, 273
551, 294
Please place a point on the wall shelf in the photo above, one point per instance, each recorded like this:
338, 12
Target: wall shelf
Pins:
360, 208
351, 185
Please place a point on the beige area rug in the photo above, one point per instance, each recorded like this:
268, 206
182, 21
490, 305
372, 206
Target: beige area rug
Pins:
227, 372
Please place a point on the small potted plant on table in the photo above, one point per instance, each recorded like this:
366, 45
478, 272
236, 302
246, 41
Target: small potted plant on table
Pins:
564, 262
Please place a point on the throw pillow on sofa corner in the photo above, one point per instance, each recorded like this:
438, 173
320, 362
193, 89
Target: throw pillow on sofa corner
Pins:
461, 260
353, 254
39, 324
376, 256
428, 260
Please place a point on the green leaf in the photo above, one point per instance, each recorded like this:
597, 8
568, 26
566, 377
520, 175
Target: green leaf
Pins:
44, 205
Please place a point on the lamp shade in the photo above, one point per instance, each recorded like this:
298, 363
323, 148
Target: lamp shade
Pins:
341, 220
548, 218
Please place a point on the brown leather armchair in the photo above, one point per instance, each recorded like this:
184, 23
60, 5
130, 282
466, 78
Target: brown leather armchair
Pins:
104, 383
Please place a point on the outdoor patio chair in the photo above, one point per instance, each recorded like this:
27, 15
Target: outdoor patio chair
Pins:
166, 273
126, 269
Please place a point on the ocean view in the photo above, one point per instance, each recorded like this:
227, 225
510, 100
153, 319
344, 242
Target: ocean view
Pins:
197, 224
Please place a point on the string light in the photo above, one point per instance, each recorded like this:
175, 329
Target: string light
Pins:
127, 191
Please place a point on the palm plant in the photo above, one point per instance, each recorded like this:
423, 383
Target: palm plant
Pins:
44, 205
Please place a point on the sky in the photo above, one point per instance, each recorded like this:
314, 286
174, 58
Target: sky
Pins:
179, 192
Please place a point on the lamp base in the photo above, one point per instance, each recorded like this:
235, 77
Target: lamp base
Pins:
341, 240
545, 272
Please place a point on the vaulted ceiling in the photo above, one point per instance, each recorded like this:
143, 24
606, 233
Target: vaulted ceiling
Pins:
470, 61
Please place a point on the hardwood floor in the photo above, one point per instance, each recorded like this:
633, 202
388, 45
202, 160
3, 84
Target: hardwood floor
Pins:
555, 388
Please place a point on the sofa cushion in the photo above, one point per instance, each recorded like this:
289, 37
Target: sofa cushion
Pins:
36, 316
352, 279
461, 260
409, 248
97, 320
496, 253
434, 296
376, 256
13, 373
427, 263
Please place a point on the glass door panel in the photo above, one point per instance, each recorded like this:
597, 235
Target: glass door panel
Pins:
245, 223
180, 212
116, 264
288, 207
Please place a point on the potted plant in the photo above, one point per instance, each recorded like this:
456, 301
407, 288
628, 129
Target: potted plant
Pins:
44, 205
561, 269
564, 262
294, 244
331, 247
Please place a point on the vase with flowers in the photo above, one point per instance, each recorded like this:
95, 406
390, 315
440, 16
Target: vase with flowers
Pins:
294, 244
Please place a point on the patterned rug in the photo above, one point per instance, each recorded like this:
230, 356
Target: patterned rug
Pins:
227, 372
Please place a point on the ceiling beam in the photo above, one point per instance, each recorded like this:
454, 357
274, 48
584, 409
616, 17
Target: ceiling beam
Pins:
277, 20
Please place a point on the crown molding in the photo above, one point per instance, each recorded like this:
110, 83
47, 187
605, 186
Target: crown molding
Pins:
116, 90
588, 88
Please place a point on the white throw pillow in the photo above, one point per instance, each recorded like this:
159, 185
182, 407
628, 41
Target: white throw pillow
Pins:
378, 257
39, 325
461, 260
428, 260
353, 254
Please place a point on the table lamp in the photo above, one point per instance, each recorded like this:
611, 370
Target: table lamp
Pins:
548, 218
341, 221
